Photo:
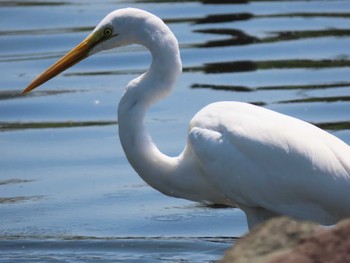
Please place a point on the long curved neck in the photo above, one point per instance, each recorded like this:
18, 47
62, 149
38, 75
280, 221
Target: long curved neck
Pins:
140, 94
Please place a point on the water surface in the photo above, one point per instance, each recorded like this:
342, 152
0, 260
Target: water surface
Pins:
67, 192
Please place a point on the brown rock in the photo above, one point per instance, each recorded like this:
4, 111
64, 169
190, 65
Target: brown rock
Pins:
268, 240
330, 245
287, 240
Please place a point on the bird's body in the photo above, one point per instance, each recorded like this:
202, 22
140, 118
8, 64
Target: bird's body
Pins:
264, 162
270, 163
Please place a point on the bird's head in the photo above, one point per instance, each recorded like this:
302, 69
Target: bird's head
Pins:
119, 28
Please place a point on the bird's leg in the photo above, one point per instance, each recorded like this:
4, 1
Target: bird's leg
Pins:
256, 215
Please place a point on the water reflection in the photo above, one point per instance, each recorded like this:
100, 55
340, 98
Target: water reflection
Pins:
31, 3
286, 87
304, 34
44, 32
15, 181
335, 126
18, 199
212, 2
238, 37
127, 249
245, 66
224, 18
222, 87
10, 126
17, 94
318, 99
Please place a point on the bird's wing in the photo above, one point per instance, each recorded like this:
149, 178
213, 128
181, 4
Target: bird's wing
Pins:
261, 158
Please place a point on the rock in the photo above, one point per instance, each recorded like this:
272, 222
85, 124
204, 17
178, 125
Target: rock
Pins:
287, 240
330, 245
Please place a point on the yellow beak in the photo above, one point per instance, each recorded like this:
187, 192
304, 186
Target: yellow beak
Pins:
77, 54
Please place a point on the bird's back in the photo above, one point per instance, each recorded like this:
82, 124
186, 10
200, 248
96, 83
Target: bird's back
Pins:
260, 158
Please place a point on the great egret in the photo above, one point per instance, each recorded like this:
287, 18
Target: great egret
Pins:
264, 162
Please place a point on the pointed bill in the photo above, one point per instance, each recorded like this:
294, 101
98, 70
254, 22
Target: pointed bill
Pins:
77, 54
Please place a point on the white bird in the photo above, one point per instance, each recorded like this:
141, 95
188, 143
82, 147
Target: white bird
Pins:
266, 163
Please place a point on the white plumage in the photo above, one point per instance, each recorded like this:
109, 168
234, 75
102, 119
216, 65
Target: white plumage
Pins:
265, 162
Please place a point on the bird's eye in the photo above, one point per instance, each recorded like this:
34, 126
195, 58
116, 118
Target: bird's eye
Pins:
107, 32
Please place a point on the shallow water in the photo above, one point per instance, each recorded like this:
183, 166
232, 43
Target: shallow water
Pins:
67, 192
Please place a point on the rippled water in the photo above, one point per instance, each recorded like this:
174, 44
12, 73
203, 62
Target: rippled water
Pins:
67, 192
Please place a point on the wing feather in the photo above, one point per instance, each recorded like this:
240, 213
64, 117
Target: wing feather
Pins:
260, 158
